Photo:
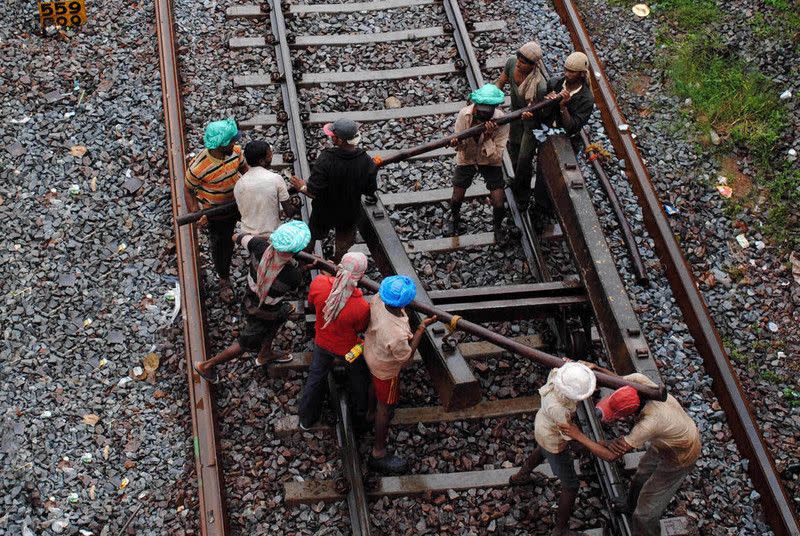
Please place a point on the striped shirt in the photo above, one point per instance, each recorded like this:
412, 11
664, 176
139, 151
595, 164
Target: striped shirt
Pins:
212, 180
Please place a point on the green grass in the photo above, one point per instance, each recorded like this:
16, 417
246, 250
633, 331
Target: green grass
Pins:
783, 214
686, 15
737, 102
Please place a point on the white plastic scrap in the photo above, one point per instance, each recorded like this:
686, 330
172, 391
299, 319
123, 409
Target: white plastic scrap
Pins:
742, 241
786, 95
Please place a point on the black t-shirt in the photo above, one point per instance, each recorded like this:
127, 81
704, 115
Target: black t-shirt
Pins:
338, 179
580, 107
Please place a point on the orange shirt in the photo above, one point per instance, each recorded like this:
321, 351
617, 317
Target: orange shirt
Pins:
212, 180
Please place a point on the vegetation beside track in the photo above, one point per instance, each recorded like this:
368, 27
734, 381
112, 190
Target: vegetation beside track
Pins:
735, 107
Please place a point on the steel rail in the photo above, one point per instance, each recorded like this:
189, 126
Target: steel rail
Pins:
351, 462
607, 473
624, 227
726, 385
212, 509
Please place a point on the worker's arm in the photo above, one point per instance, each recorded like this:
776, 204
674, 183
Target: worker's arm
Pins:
502, 80
601, 451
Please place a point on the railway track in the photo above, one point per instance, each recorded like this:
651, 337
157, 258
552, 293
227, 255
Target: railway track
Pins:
572, 310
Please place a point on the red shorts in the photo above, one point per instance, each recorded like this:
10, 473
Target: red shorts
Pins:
386, 391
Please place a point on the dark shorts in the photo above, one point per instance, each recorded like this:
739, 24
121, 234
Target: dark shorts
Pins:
261, 325
492, 176
563, 466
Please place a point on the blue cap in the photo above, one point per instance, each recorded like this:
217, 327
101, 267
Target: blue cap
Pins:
397, 290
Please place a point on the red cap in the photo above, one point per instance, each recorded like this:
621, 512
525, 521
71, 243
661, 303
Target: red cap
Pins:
619, 404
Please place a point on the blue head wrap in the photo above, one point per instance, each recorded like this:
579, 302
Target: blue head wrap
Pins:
397, 290
220, 133
488, 94
291, 237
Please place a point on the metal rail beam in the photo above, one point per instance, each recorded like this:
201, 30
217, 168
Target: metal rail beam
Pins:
351, 462
211, 491
777, 506
619, 327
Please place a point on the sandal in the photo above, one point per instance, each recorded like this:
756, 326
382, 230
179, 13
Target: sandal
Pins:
210, 378
287, 358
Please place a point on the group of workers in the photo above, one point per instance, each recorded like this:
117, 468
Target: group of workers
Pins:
347, 325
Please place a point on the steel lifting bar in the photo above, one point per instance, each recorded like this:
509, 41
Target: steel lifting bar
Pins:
543, 358
213, 514
351, 462
777, 506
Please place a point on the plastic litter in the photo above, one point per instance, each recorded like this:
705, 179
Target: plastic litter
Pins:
20, 121
91, 419
87, 457
773, 327
124, 483
74, 190
786, 95
77, 150
72, 498
641, 10
742, 240
725, 191
670, 210
122, 247
87, 322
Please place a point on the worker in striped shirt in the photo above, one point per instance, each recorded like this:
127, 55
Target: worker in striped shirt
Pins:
209, 182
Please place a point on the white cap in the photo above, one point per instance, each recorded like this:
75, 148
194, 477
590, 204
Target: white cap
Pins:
575, 381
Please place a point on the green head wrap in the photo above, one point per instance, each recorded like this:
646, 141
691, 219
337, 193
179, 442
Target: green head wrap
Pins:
488, 94
290, 237
220, 133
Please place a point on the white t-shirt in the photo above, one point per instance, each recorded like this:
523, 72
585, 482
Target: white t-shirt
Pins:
258, 195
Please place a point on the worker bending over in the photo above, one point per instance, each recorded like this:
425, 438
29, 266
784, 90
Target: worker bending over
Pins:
565, 387
273, 273
674, 448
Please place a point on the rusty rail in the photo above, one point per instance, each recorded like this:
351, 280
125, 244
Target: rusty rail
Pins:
213, 514
726, 386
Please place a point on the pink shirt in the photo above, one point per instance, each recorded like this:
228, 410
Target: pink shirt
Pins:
386, 341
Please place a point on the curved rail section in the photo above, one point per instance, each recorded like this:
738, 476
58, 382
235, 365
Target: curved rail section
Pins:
213, 514
726, 384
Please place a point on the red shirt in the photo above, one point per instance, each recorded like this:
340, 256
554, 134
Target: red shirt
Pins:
342, 333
